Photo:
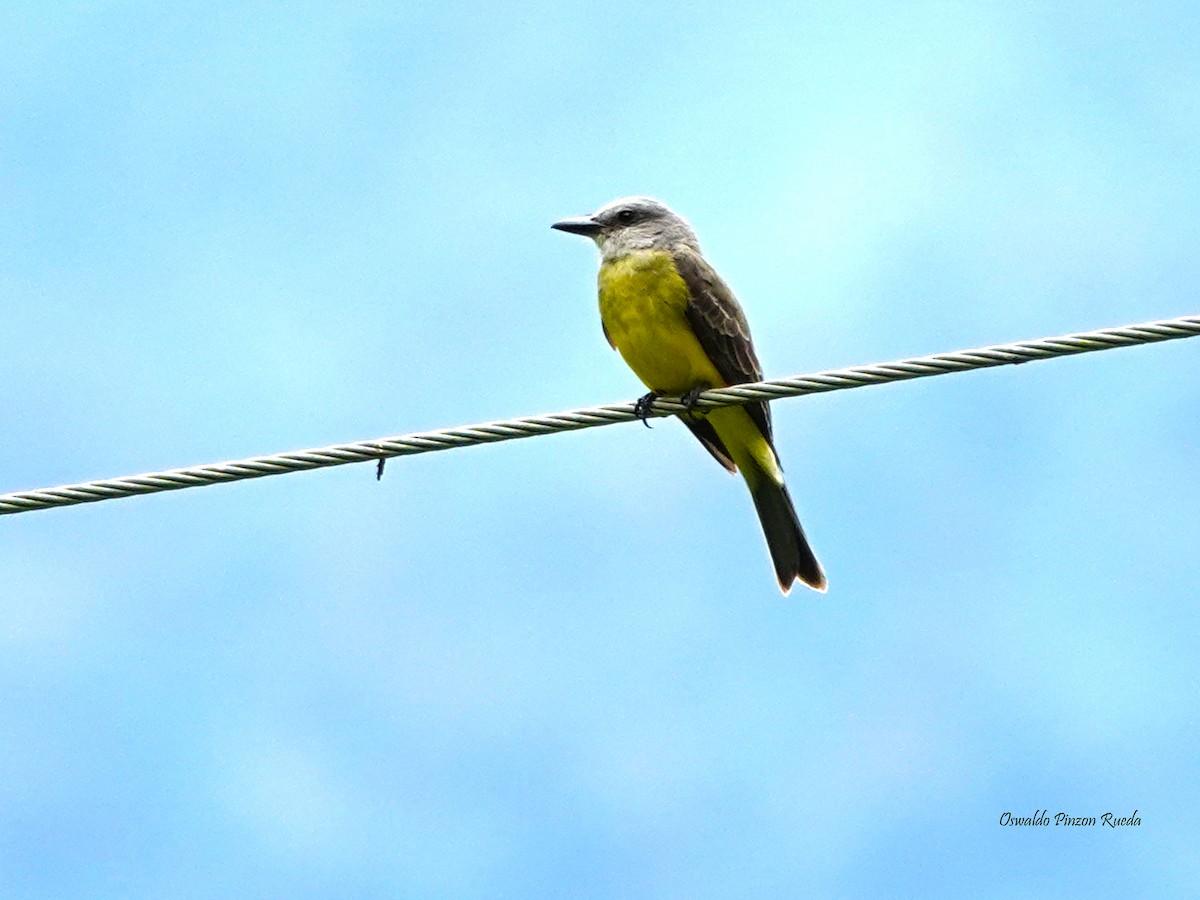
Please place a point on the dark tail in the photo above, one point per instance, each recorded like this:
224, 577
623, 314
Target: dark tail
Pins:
789, 548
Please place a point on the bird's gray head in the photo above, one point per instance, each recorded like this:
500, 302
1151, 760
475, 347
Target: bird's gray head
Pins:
631, 224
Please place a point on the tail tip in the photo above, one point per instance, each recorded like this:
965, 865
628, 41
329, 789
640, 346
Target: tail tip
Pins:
817, 581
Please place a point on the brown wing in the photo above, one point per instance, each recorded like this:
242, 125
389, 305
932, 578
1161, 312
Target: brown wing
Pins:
719, 323
712, 442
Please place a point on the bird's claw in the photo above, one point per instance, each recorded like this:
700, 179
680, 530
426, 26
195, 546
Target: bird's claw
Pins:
692, 398
644, 407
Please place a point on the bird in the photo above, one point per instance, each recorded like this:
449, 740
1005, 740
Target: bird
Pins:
681, 330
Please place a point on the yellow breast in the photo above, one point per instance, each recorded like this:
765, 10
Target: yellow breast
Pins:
642, 303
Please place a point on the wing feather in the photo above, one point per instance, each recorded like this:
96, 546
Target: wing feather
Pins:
707, 435
720, 325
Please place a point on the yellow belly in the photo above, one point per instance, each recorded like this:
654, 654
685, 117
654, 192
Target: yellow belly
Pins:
642, 303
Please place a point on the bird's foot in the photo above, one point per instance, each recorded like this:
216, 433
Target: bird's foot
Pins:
645, 407
692, 397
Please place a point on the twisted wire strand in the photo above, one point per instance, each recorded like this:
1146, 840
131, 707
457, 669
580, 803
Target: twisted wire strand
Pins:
532, 426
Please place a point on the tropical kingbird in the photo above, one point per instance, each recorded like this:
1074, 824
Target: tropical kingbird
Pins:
682, 331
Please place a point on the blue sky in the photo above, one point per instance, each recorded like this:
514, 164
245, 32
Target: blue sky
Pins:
561, 666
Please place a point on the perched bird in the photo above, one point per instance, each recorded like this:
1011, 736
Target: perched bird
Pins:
682, 331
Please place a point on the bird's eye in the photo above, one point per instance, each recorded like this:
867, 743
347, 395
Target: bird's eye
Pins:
626, 216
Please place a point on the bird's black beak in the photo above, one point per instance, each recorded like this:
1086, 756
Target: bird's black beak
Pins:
585, 225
